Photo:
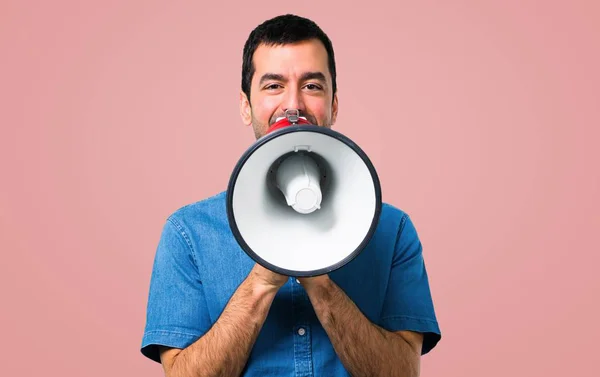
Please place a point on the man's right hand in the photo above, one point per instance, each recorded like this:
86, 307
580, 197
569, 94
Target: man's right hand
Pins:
265, 278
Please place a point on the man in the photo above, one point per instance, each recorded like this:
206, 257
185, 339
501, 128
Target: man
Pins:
212, 311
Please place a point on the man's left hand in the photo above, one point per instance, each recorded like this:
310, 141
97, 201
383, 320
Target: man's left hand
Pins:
314, 283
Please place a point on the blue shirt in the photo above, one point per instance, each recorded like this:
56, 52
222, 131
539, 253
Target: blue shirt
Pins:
199, 265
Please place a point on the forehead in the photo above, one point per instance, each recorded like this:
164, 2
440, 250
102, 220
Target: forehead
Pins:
291, 59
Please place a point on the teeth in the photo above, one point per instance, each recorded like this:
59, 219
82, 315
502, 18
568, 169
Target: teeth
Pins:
280, 118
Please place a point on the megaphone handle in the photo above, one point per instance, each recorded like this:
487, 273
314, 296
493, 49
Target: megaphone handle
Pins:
292, 115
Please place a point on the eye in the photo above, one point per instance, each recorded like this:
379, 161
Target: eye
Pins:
313, 87
272, 86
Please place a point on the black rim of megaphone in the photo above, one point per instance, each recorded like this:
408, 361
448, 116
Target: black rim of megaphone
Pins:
265, 139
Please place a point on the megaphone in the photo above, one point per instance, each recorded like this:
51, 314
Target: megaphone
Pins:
303, 200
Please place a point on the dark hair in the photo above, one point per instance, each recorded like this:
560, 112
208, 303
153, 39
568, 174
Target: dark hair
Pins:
282, 30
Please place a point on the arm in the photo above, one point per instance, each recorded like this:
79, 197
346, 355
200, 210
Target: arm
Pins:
224, 349
364, 348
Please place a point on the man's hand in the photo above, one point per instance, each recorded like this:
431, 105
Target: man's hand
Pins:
314, 283
263, 278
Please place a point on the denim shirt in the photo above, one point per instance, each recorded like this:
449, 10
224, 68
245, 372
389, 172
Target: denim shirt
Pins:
198, 266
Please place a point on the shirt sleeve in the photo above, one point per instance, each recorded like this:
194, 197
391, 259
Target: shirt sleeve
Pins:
408, 304
176, 313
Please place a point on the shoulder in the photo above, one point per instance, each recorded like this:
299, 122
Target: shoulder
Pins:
392, 216
396, 221
209, 209
392, 210
190, 227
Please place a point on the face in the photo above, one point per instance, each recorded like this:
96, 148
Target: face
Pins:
291, 76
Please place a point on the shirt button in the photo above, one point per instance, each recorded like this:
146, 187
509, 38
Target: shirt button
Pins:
301, 331
297, 281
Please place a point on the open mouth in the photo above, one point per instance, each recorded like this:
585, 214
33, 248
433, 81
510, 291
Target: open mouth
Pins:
280, 118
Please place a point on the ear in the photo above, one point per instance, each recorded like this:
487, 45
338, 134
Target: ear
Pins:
245, 109
334, 109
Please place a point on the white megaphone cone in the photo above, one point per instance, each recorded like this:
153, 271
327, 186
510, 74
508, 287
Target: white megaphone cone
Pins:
303, 200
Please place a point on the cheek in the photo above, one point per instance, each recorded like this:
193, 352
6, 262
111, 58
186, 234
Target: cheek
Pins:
264, 107
319, 108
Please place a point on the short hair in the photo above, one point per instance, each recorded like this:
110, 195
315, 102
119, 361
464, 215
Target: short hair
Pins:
282, 30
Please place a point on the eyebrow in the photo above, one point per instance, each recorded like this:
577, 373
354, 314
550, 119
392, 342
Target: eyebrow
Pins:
271, 76
305, 76
313, 76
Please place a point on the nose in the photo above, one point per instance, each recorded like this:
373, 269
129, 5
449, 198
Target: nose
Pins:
293, 100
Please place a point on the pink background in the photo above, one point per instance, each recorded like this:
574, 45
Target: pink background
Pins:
482, 119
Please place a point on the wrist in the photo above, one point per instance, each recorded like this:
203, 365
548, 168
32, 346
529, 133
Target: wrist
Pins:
319, 289
260, 288
317, 285
324, 296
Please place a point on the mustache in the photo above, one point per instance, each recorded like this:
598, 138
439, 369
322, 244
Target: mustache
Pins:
308, 117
